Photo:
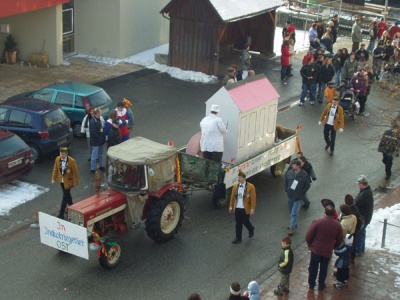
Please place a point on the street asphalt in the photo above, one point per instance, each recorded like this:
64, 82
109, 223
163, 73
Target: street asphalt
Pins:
200, 258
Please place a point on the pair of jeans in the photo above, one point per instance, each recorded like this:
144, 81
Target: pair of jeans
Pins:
388, 161
285, 71
338, 76
360, 240
66, 200
330, 136
321, 263
294, 210
371, 45
361, 100
241, 219
97, 155
308, 87
355, 46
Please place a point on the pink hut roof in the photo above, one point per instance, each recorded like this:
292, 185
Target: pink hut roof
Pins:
252, 94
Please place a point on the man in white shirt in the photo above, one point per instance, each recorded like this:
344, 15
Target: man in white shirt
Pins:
332, 118
212, 139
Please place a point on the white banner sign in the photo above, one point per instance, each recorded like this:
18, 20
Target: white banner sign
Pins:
262, 161
63, 235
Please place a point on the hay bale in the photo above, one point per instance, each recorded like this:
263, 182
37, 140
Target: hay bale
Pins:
40, 59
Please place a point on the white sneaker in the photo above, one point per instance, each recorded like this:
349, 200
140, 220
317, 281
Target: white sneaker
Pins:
312, 102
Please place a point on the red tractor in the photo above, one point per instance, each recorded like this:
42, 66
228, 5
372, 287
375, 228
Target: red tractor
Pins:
142, 177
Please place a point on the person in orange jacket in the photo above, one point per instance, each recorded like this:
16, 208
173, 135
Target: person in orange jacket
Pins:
330, 92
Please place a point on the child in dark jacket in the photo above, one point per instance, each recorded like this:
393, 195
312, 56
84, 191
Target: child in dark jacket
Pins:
285, 266
343, 262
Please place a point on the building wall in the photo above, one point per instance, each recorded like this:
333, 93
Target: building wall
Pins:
36, 31
142, 26
119, 28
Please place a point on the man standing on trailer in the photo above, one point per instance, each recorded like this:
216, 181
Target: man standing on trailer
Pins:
212, 135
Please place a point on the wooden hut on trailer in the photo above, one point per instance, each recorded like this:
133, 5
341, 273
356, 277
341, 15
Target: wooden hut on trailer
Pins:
201, 29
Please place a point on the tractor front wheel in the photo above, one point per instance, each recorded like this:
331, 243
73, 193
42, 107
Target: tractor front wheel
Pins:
278, 169
218, 199
113, 253
165, 217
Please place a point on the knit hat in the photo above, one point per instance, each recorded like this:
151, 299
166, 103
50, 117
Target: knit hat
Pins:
235, 288
326, 202
242, 174
296, 162
254, 290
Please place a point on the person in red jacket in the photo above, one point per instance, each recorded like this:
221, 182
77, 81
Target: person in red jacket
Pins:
381, 28
123, 115
285, 61
394, 29
323, 235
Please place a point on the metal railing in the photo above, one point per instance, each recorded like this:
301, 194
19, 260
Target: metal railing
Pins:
302, 15
385, 224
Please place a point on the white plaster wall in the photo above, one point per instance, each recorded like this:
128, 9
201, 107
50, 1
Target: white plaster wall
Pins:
119, 28
36, 31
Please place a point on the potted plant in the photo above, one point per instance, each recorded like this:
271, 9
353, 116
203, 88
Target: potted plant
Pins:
10, 49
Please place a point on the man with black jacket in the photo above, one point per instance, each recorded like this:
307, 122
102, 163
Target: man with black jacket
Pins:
309, 74
365, 204
96, 141
389, 147
296, 183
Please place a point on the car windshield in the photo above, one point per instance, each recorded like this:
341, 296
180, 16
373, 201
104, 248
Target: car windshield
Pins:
54, 117
12, 145
99, 98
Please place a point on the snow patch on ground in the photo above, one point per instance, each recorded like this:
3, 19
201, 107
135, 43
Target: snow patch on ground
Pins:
17, 193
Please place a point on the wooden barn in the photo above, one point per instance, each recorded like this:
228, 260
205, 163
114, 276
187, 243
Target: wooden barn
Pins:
200, 30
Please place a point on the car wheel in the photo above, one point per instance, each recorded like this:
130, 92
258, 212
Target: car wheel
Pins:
77, 129
36, 154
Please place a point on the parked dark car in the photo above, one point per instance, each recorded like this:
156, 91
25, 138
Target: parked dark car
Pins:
42, 125
15, 157
75, 99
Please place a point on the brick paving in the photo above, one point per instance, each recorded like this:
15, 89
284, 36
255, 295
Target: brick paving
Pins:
371, 277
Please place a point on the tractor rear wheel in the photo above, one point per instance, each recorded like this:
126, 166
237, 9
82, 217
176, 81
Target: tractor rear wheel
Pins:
165, 217
113, 255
